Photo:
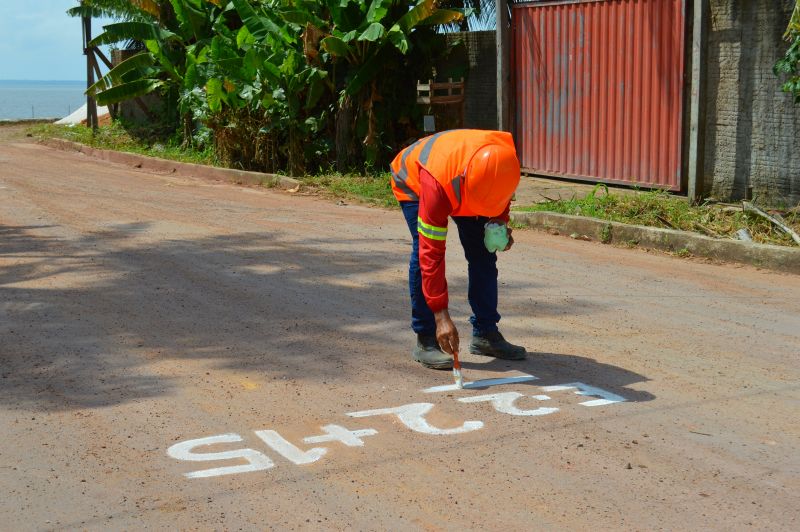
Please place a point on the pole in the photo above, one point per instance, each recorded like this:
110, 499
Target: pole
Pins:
697, 115
91, 106
503, 46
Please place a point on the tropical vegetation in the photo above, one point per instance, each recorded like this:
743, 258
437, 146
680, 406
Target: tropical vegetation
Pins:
789, 64
279, 85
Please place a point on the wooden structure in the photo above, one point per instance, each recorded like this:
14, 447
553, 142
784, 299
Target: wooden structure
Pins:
92, 68
93, 73
445, 97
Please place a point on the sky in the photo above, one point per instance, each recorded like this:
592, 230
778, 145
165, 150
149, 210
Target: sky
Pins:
38, 41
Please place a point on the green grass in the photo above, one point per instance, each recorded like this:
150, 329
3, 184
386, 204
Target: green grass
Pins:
375, 189
661, 209
116, 137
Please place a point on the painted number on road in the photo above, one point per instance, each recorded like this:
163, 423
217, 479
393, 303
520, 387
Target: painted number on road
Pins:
413, 416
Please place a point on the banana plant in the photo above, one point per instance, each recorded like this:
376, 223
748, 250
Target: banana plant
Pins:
180, 26
362, 34
273, 77
288, 65
361, 44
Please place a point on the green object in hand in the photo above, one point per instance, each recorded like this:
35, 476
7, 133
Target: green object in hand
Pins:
495, 236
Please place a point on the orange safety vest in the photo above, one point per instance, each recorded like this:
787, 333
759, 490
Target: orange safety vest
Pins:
446, 156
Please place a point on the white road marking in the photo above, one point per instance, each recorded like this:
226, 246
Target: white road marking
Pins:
504, 402
608, 398
413, 417
297, 456
484, 383
183, 451
351, 438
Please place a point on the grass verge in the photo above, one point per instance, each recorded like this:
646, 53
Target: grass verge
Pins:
660, 209
373, 189
116, 137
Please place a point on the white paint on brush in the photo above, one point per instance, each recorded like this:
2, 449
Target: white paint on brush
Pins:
256, 461
504, 402
280, 445
608, 398
413, 417
484, 383
351, 438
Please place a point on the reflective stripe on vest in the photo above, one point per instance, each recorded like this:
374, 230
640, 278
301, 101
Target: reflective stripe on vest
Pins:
401, 184
456, 182
402, 175
431, 231
426, 150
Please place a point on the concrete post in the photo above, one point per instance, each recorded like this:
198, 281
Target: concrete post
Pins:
503, 65
697, 115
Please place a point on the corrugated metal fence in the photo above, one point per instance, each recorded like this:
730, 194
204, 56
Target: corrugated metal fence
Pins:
599, 89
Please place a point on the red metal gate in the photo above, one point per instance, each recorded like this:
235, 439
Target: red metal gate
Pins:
599, 89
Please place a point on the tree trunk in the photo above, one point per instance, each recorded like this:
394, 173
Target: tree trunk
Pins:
296, 158
345, 150
188, 130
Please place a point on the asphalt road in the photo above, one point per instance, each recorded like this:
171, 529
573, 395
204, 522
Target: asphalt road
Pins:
149, 323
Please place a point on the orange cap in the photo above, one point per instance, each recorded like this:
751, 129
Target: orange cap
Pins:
492, 177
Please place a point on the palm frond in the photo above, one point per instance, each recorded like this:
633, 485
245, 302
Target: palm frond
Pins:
128, 10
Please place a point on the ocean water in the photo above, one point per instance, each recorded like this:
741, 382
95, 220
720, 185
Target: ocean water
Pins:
40, 99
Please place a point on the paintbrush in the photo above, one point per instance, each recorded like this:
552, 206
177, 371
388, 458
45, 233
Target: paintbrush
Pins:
457, 370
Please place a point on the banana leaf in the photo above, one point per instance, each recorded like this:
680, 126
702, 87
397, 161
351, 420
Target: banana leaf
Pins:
444, 16
260, 26
126, 91
124, 31
373, 32
114, 76
336, 46
378, 10
423, 10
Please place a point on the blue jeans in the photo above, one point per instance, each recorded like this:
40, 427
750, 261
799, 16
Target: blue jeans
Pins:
482, 268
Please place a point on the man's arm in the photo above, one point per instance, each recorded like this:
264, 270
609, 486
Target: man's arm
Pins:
434, 210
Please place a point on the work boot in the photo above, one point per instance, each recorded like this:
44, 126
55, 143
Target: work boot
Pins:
492, 344
428, 353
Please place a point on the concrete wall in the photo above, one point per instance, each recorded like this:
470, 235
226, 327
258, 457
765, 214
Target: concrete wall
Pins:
753, 129
477, 62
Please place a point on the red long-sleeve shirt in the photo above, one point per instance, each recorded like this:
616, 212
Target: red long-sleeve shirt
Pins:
434, 210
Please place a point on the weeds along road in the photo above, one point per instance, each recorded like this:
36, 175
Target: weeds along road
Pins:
149, 324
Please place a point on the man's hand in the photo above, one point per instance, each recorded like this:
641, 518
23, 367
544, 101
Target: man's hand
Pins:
510, 238
446, 332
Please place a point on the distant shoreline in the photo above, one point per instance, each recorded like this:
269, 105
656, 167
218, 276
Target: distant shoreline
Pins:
24, 99
30, 121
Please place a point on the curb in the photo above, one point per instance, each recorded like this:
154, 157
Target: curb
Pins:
771, 257
145, 162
